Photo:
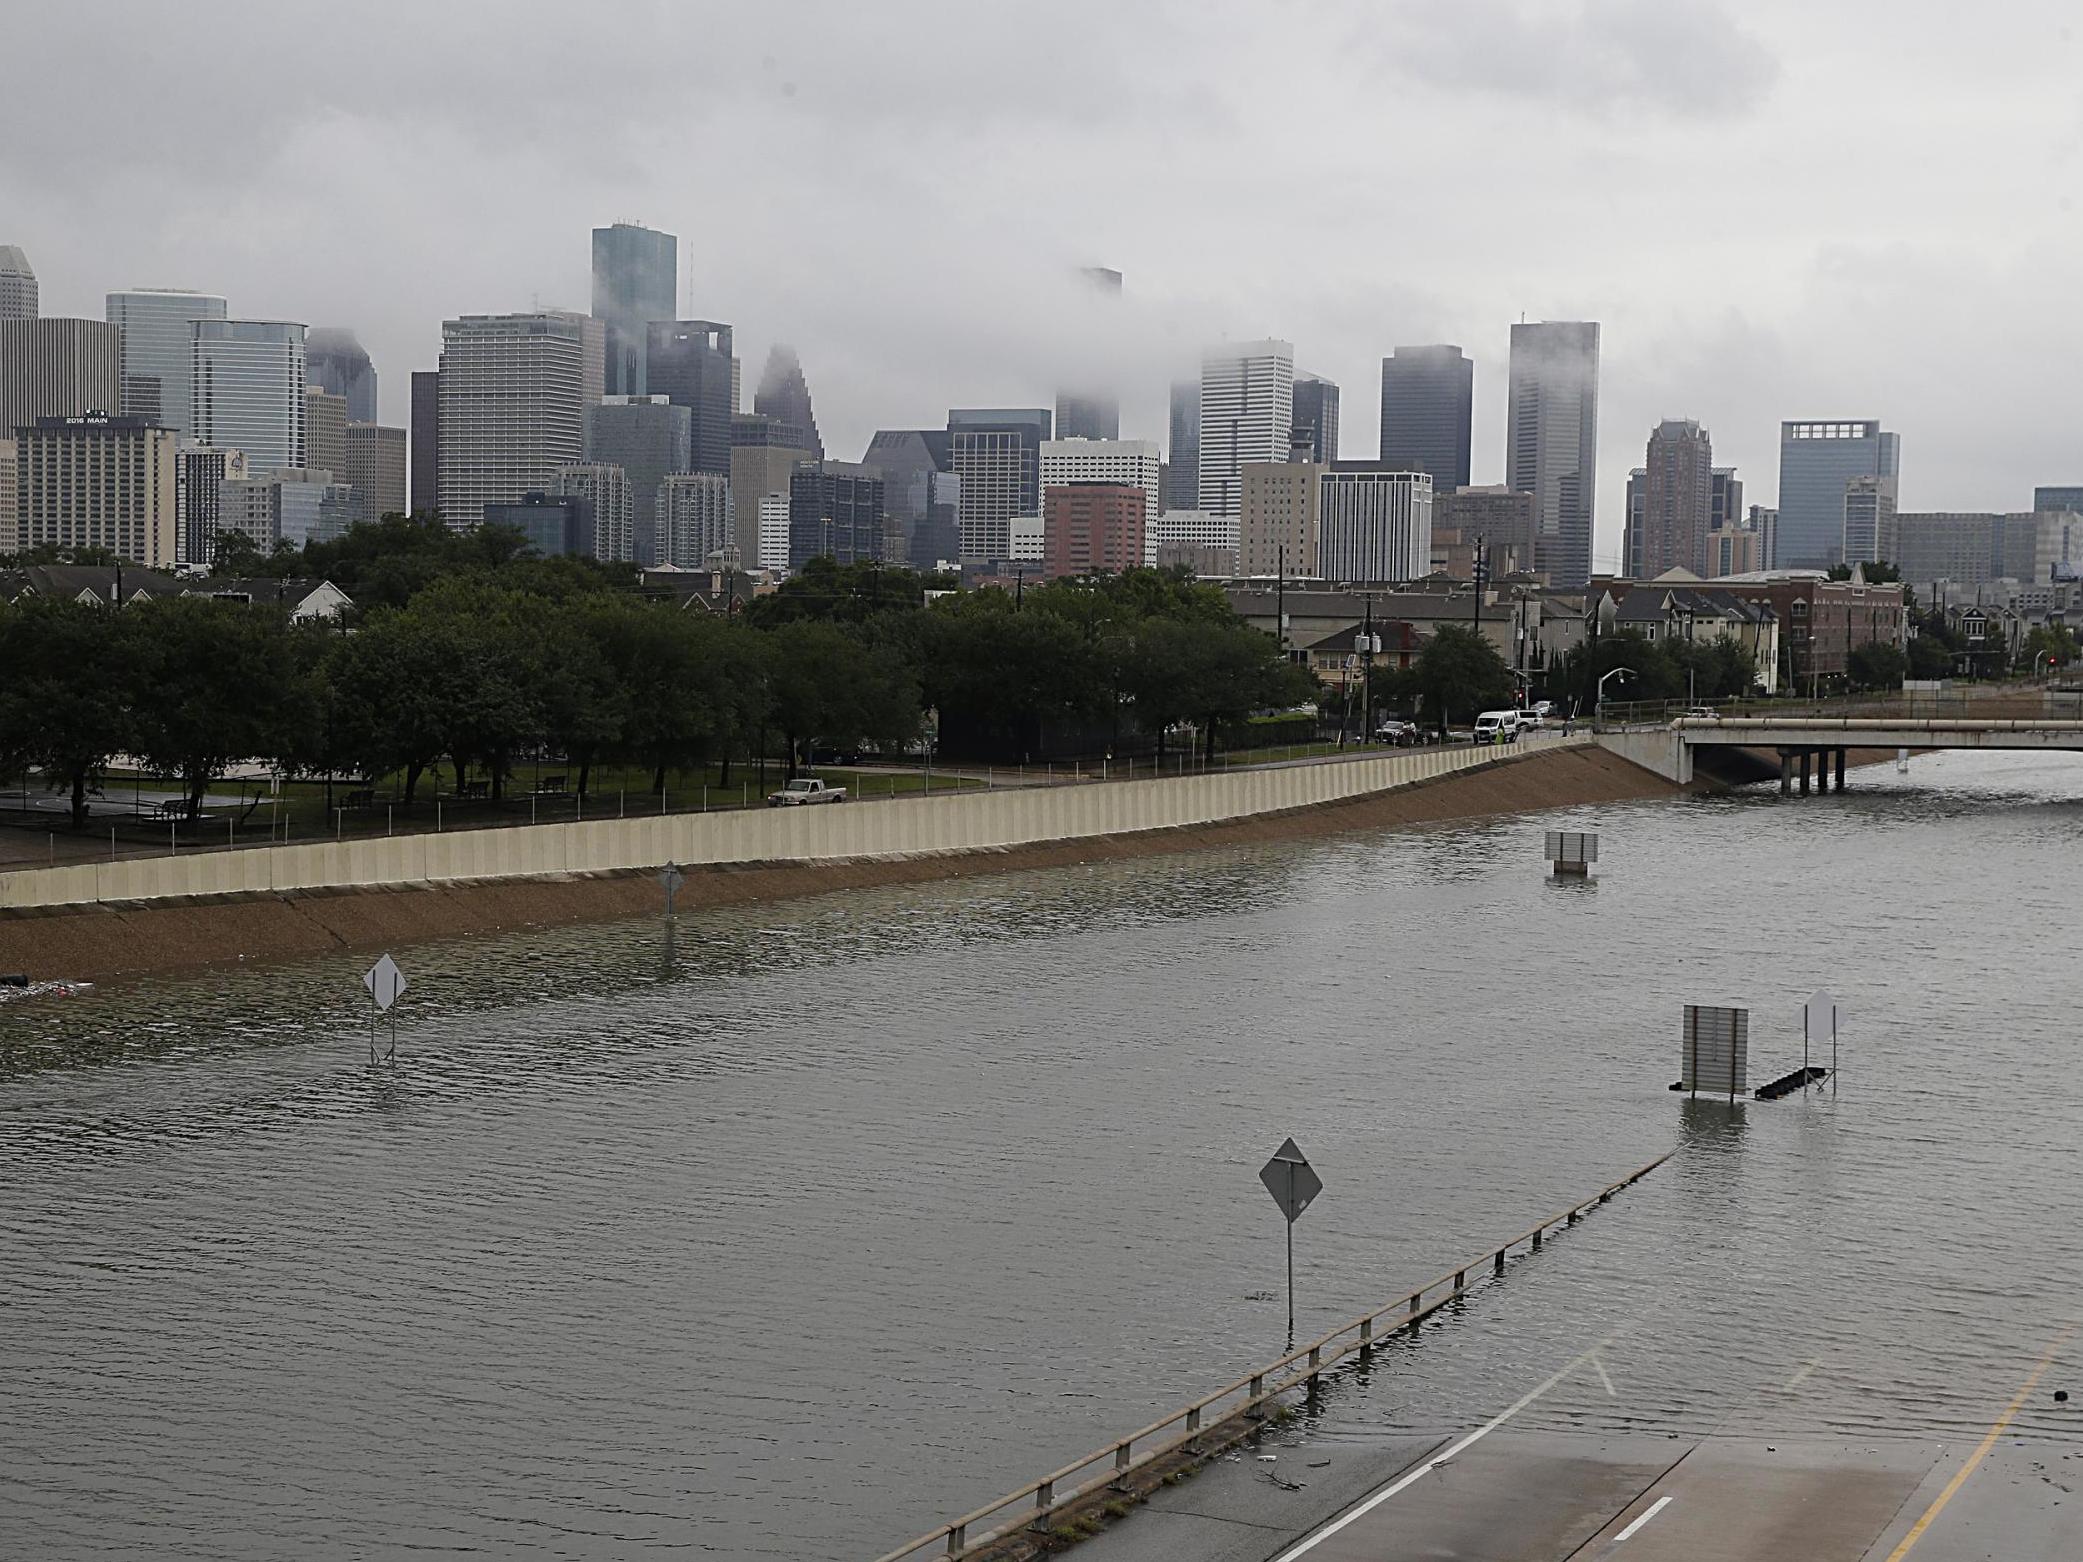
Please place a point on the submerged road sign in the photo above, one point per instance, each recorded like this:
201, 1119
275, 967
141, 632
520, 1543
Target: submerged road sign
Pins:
1717, 1050
672, 878
1294, 1184
386, 983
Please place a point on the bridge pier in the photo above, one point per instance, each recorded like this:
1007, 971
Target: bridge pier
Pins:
1840, 770
1807, 764
1786, 773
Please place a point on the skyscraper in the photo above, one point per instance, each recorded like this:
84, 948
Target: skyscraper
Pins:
1677, 499
606, 492
647, 437
376, 468
512, 410
1818, 461
784, 395
694, 518
57, 368
689, 362
835, 512
1183, 454
1728, 500
325, 432
1091, 410
1315, 417
921, 496
1551, 449
1279, 527
158, 325
97, 481
1130, 461
426, 441
247, 392
9, 452
634, 269
1500, 518
200, 477
1092, 528
337, 363
996, 453
763, 454
1247, 412
17, 284
1427, 413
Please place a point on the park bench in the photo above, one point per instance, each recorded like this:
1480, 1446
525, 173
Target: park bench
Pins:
552, 786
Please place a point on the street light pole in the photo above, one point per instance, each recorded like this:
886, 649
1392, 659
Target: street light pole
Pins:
1599, 704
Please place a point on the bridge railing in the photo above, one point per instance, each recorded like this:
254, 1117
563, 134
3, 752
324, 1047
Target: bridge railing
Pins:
1982, 701
1252, 1396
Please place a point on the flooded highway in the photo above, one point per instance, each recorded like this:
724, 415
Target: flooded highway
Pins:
793, 1230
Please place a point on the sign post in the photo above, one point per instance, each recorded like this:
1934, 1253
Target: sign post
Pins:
1818, 1015
386, 984
672, 878
1293, 1182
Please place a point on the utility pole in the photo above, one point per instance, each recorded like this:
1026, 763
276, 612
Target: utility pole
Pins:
1367, 668
1280, 601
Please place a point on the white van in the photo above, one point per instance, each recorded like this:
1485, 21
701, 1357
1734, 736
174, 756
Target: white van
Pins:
1497, 726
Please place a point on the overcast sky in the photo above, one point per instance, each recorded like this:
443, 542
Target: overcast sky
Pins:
1784, 208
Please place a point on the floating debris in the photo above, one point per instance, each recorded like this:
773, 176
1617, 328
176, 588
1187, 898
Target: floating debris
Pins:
12, 991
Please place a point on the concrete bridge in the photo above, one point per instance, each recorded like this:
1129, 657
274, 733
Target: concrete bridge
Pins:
1810, 746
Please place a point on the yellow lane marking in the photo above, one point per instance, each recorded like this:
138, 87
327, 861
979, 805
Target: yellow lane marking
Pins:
1974, 1459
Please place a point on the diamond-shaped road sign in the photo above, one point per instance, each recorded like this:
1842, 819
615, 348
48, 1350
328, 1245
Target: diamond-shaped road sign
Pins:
672, 877
1291, 1180
386, 983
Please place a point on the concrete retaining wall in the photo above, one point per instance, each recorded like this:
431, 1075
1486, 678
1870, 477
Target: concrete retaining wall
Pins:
1659, 749
911, 826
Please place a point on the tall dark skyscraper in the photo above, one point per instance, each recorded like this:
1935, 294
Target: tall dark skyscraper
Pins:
336, 362
426, 441
1092, 411
647, 437
1183, 454
689, 361
784, 395
1677, 501
1427, 411
633, 273
1315, 418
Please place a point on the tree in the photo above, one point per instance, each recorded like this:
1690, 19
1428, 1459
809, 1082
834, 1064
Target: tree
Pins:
1460, 673
1005, 682
824, 683
224, 684
1877, 665
66, 696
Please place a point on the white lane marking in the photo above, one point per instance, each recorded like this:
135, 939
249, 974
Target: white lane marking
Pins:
1655, 1508
1599, 1363
1794, 1382
1412, 1477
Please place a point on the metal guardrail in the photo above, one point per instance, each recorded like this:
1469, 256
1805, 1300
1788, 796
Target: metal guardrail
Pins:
1247, 1397
1986, 700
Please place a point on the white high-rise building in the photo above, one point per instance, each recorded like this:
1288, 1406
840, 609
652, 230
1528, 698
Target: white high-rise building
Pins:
17, 284
1133, 462
247, 391
992, 467
606, 488
1374, 524
96, 481
773, 532
158, 325
1247, 413
513, 396
693, 517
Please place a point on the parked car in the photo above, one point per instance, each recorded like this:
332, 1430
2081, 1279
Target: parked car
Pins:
1400, 734
1497, 726
1535, 718
805, 789
1545, 707
1702, 713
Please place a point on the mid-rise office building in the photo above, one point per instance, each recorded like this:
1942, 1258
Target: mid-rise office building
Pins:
1192, 534
1247, 412
1818, 462
1376, 523
552, 524
606, 492
694, 518
56, 368
10, 541
325, 431
648, 438
834, 512
426, 441
1090, 527
773, 532
784, 396
634, 269
1500, 518
689, 363
1315, 417
376, 468
1869, 515
337, 363
17, 284
763, 454
2033, 547
97, 481
1279, 528
1734, 550
158, 326
1183, 452
1131, 461
1428, 413
247, 392
1677, 501
1551, 443
921, 496
200, 476
513, 396
291, 505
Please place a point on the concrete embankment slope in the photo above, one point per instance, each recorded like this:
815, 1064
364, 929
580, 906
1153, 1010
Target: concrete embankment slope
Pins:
105, 939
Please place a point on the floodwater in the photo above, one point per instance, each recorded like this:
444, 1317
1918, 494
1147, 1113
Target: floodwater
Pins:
808, 1226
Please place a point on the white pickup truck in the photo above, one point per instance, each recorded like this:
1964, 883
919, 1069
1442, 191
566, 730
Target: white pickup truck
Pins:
805, 789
